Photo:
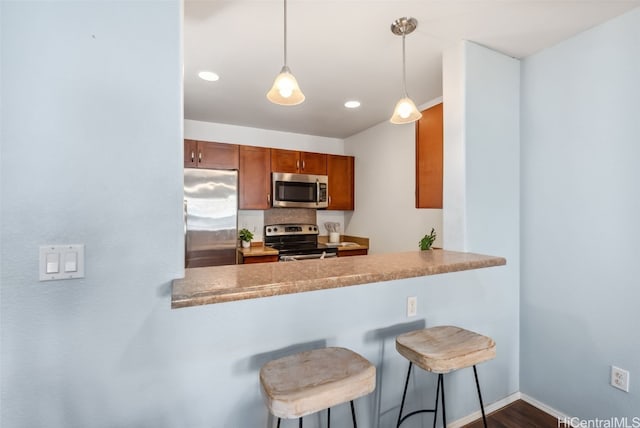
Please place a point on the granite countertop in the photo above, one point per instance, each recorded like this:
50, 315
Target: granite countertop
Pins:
203, 286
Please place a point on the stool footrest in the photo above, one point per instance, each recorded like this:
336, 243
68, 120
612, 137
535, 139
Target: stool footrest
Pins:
405, 417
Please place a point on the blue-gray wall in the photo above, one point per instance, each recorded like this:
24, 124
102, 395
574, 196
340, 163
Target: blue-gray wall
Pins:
580, 228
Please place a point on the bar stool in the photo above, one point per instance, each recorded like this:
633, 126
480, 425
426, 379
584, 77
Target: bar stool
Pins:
307, 382
441, 350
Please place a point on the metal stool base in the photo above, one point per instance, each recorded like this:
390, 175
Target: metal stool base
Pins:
353, 417
439, 393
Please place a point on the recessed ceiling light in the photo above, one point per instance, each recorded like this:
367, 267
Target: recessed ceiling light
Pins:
209, 76
352, 104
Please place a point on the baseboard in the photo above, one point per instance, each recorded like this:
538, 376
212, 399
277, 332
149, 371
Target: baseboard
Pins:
487, 409
574, 422
505, 402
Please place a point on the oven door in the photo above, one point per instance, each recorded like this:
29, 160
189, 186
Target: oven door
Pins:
299, 190
293, 258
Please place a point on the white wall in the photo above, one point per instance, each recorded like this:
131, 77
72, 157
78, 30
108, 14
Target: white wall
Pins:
243, 135
580, 229
385, 189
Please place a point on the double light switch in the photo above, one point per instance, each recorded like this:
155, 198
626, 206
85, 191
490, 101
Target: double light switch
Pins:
61, 262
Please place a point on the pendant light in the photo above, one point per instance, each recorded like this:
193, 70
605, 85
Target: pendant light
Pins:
405, 111
285, 90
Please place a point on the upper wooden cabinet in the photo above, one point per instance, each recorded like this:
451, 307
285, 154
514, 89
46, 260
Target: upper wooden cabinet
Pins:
190, 153
429, 159
203, 154
298, 162
254, 178
340, 170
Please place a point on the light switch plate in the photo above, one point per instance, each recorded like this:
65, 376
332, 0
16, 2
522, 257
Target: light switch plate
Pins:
69, 260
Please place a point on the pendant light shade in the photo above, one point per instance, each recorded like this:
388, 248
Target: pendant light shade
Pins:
405, 110
285, 90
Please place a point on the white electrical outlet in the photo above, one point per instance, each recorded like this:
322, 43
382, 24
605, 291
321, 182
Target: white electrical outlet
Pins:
620, 378
412, 306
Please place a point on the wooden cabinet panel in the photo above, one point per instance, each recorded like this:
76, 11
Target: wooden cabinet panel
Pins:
285, 161
203, 154
298, 162
341, 182
217, 155
348, 253
313, 163
429, 158
190, 153
255, 178
259, 259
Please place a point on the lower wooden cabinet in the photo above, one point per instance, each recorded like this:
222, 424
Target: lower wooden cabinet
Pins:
258, 259
347, 253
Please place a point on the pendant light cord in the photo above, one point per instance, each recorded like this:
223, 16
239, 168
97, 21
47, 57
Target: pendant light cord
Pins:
285, 33
404, 68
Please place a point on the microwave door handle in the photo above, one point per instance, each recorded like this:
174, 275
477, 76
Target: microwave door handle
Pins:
317, 191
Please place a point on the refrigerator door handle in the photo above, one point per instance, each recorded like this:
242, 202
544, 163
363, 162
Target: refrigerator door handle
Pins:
184, 216
186, 236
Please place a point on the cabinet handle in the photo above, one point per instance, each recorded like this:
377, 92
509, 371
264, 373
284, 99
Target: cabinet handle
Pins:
297, 164
193, 156
200, 157
329, 199
269, 199
303, 165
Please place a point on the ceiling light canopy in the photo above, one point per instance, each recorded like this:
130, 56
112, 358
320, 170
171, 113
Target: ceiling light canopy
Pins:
285, 90
352, 104
405, 110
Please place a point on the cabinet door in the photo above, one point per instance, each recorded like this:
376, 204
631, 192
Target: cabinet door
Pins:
429, 158
285, 161
341, 183
255, 178
313, 163
217, 155
190, 153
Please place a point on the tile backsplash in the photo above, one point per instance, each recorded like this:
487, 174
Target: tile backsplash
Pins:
290, 215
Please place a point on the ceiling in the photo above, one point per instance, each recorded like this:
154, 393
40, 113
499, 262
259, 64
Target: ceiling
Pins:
344, 49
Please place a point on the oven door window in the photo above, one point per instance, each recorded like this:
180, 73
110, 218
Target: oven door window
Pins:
288, 191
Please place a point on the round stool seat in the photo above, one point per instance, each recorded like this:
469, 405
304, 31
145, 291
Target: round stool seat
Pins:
307, 382
443, 349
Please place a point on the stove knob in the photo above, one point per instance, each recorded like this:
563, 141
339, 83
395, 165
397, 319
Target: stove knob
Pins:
310, 228
275, 229
315, 229
268, 229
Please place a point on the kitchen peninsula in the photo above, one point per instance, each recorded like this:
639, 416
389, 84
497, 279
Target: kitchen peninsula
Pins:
202, 286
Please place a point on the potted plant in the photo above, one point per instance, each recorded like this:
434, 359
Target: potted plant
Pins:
427, 241
245, 237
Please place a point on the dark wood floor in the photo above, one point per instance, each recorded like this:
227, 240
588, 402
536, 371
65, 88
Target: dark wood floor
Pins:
518, 414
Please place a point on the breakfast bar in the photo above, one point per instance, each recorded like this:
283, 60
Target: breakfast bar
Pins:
208, 285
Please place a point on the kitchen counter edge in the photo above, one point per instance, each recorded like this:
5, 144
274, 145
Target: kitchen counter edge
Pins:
219, 284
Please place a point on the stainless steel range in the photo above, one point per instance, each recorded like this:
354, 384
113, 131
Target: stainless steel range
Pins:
296, 242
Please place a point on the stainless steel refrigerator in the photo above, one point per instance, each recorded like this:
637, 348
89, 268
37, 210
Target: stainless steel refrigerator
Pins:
211, 217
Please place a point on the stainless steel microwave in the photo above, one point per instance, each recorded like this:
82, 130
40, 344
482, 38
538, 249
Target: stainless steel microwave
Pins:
299, 190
